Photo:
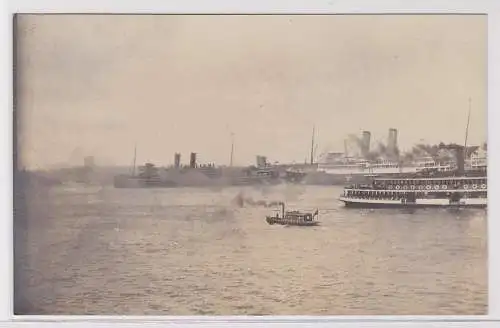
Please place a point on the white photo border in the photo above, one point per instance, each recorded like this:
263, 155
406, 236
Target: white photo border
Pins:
491, 8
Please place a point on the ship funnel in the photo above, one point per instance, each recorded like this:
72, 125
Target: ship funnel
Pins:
261, 161
460, 155
365, 143
177, 160
192, 161
89, 162
392, 142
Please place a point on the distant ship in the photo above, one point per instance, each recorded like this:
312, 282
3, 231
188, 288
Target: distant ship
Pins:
353, 166
349, 170
337, 168
331, 169
204, 175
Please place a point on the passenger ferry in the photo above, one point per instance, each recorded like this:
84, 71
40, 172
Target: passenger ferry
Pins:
458, 191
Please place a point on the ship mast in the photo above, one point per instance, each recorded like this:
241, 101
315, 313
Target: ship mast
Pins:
312, 145
467, 129
232, 150
135, 157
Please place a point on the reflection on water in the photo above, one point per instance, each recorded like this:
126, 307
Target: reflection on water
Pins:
93, 250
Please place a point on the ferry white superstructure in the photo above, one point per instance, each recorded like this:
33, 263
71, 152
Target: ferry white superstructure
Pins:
419, 192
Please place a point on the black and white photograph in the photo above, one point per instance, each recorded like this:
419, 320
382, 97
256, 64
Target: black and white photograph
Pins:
256, 165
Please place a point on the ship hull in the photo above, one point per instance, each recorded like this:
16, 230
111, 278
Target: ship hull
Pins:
139, 184
327, 179
435, 203
128, 182
291, 222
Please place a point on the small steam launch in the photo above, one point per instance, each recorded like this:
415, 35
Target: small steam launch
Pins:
293, 218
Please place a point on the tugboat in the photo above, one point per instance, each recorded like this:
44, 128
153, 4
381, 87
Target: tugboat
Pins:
293, 218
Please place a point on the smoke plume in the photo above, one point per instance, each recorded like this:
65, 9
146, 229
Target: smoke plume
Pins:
240, 200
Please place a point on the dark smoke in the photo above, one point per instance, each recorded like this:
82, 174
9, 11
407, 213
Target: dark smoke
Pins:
372, 156
356, 139
240, 200
379, 152
438, 152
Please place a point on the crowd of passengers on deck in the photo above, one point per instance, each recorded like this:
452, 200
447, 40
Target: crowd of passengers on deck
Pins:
392, 195
423, 184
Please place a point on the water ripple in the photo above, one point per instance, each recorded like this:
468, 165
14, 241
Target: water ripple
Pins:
194, 252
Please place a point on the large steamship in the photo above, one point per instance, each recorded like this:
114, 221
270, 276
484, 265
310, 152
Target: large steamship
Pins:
345, 167
199, 175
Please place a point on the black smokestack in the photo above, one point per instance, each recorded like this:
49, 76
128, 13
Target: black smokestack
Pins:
261, 161
460, 153
177, 160
192, 161
392, 142
365, 143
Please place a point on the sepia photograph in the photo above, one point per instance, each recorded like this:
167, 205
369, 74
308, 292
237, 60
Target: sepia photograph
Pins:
261, 165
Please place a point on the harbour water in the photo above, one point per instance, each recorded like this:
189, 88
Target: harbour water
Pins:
100, 250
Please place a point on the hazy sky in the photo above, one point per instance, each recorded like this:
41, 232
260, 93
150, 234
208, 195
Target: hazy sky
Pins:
97, 85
